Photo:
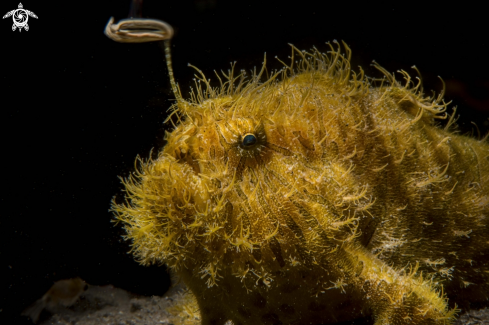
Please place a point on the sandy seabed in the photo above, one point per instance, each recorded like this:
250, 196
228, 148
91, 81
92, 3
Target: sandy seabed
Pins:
104, 305
109, 305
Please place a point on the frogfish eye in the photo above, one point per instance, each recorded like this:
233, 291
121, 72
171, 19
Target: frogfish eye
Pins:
249, 140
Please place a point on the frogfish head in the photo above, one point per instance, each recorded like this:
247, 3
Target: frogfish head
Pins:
256, 176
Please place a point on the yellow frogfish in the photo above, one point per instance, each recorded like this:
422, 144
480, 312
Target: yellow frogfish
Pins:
315, 196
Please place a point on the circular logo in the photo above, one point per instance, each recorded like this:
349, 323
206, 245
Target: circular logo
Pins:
20, 18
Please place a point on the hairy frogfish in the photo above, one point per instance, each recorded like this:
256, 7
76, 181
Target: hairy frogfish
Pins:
316, 195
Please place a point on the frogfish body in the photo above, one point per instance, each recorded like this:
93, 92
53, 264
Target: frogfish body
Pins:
315, 197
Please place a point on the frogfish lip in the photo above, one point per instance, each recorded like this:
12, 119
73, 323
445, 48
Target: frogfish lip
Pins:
178, 183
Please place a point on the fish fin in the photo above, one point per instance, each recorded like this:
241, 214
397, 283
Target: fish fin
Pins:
34, 310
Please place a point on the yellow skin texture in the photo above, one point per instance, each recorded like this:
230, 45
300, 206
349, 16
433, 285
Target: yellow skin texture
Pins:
352, 202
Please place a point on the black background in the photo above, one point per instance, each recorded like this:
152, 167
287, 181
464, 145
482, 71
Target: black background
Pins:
76, 109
